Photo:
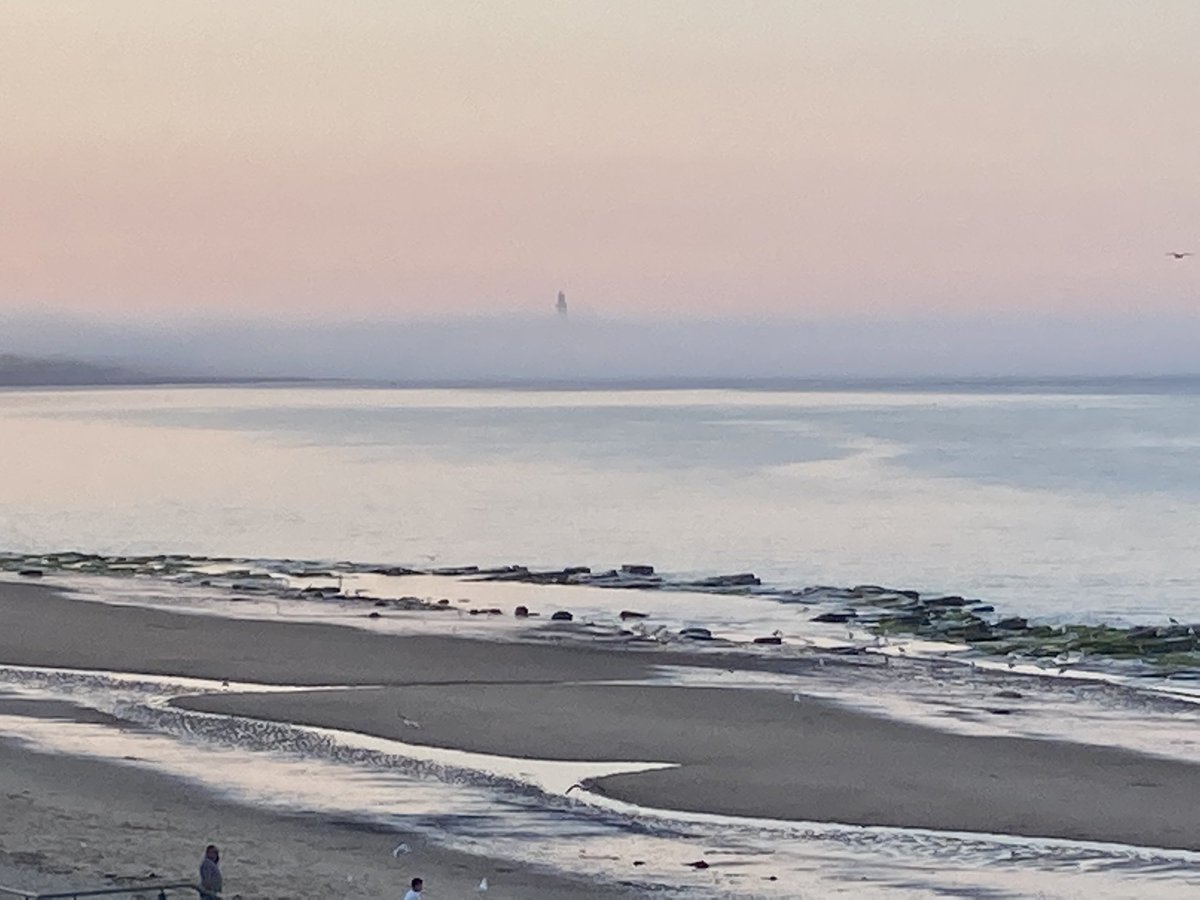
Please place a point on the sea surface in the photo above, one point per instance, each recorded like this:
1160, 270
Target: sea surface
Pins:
1057, 502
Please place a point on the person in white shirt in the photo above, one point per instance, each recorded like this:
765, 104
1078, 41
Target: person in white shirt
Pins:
418, 885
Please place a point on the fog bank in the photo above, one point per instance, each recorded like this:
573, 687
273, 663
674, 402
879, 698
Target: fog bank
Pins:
576, 348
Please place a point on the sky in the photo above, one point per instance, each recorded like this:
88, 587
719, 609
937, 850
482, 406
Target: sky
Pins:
908, 161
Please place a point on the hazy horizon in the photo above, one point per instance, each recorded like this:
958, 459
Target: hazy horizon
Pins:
590, 348
930, 182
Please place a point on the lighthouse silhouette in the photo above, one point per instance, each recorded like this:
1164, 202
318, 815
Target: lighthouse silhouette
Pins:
561, 305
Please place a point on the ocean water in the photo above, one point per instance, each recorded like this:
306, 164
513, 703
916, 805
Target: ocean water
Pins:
1047, 502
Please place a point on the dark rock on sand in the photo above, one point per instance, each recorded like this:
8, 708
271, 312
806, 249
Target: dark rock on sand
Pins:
633, 614
521, 612
310, 590
30, 573
562, 616
456, 570
861, 591
742, 579
520, 574
948, 601
696, 634
772, 639
835, 616
637, 569
622, 580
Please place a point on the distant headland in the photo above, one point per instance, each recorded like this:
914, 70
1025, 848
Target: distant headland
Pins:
31, 371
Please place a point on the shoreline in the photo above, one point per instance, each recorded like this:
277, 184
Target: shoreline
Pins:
875, 616
72, 822
763, 754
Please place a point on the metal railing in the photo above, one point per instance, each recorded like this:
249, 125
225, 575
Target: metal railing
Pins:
159, 890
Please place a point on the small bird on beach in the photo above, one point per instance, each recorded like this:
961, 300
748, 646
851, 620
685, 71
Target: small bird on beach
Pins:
1180, 254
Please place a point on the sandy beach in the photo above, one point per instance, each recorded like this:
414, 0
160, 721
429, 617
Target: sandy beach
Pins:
68, 822
71, 822
752, 753
765, 754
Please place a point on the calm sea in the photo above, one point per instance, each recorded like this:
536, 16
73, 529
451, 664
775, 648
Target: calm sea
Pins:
1047, 502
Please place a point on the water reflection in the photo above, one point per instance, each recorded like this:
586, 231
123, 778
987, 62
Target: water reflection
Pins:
514, 808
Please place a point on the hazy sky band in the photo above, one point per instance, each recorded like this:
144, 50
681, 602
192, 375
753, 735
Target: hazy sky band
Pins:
691, 158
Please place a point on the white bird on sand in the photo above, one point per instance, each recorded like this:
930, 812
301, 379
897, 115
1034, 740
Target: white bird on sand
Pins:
482, 886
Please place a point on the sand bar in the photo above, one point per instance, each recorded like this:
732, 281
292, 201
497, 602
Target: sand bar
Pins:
752, 753
764, 754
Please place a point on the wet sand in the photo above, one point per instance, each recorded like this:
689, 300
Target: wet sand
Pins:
752, 753
42, 627
763, 754
71, 823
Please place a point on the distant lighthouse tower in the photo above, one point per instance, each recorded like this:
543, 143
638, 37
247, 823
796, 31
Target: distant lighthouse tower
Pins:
561, 305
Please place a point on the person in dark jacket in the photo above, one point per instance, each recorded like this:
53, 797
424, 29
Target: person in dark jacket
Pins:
210, 874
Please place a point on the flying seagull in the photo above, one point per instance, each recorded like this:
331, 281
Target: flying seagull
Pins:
1175, 254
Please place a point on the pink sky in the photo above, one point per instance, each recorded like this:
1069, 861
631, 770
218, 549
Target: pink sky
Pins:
804, 159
